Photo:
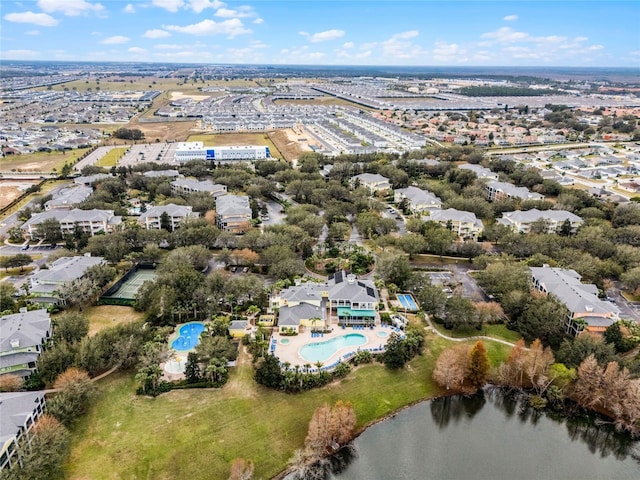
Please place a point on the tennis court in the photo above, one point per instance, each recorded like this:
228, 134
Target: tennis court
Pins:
131, 285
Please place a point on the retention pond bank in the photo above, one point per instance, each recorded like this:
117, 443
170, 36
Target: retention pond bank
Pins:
489, 436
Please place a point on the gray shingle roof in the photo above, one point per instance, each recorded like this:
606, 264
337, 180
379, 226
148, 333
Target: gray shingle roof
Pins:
172, 210
66, 269
24, 329
15, 408
233, 205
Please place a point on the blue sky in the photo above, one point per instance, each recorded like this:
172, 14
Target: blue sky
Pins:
328, 32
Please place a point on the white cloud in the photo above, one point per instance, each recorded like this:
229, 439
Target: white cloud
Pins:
156, 33
448, 52
168, 46
258, 21
326, 35
116, 39
594, 48
137, 50
71, 8
510, 18
129, 8
32, 32
199, 5
40, 19
19, 54
240, 12
170, 5
347, 45
506, 35
400, 46
635, 53
231, 27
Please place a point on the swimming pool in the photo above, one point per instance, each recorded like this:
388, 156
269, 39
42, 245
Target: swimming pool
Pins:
382, 334
322, 351
188, 336
407, 301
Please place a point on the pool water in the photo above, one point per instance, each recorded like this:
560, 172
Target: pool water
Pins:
189, 336
322, 351
383, 334
285, 341
407, 301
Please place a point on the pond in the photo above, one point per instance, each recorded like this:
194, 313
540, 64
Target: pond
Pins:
488, 436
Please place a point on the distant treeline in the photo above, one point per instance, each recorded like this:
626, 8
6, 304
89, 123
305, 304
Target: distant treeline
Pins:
492, 91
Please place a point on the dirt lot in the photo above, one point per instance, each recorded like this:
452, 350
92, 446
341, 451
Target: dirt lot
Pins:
291, 142
11, 189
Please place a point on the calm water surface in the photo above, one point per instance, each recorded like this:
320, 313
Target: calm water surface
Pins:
489, 436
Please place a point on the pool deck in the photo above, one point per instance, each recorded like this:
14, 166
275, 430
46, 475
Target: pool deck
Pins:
290, 352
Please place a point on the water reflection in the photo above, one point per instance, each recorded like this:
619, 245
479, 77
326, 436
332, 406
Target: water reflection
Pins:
453, 437
455, 408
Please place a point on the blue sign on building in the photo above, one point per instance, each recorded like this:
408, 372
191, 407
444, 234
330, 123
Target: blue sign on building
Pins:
268, 153
211, 154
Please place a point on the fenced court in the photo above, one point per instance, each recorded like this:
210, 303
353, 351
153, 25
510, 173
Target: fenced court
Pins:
125, 290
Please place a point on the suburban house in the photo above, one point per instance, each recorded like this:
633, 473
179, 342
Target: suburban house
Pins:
69, 197
46, 284
503, 190
552, 220
90, 221
239, 328
233, 213
151, 219
21, 338
585, 311
373, 181
186, 186
480, 171
419, 200
464, 224
19, 412
342, 299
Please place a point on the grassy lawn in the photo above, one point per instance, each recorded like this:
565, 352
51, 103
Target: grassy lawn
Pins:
112, 157
630, 296
40, 161
196, 434
494, 331
104, 316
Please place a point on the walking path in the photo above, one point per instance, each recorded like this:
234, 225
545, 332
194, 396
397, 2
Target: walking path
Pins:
464, 339
93, 380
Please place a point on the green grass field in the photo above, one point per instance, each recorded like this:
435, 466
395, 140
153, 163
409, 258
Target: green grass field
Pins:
495, 331
196, 434
112, 157
41, 161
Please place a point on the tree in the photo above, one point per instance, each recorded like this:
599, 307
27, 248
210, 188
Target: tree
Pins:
43, 452
449, 372
329, 429
631, 279
165, 222
75, 390
70, 327
192, 369
395, 355
478, 366
7, 303
543, 317
460, 314
393, 267
269, 372
49, 230
215, 347
15, 261
573, 351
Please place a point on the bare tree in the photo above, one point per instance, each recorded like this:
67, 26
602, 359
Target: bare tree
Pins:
448, 372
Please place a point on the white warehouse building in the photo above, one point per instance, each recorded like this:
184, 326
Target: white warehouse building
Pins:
187, 151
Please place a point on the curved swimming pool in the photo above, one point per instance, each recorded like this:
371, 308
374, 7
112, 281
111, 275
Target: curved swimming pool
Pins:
322, 351
188, 336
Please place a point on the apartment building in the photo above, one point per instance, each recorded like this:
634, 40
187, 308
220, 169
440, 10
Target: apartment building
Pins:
552, 221
585, 311
419, 200
22, 336
187, 186
19, 412
46, 284
68, 197
373, 181
464, 224
90, 221
152, 218
502, 190
233, 213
